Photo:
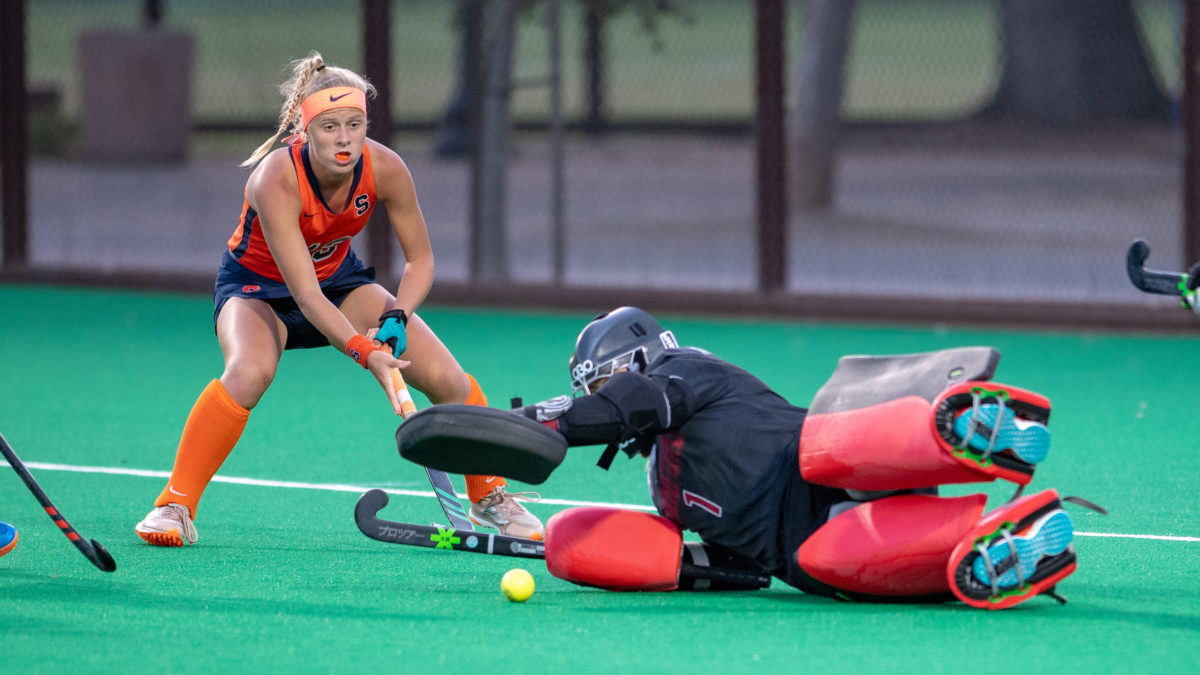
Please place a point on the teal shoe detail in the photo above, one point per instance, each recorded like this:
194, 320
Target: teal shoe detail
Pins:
1008, 562
1028, 440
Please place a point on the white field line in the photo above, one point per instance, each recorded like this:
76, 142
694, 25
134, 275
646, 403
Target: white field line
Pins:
1157, 537
340, 487
330, 487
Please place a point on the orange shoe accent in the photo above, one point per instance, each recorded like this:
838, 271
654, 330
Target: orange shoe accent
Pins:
170, 538
212, 429
479, 487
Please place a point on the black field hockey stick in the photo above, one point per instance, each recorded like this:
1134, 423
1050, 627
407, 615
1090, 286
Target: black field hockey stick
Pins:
1157, 281
440, 480
435, 537
94, 551
431, 536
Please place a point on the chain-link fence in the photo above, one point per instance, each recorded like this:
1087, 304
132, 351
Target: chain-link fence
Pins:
960, 172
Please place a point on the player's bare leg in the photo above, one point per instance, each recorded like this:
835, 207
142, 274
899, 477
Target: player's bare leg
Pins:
252, 340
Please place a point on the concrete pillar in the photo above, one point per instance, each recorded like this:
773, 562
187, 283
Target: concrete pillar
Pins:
134, 89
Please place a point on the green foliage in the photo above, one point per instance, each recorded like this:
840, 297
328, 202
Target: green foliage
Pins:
650, 14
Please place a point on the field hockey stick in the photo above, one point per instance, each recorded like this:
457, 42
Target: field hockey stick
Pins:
369, 523
94, 551
1155, 281
432, 536
440, 481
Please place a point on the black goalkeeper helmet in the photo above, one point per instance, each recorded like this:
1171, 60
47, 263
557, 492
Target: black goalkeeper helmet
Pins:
626, 337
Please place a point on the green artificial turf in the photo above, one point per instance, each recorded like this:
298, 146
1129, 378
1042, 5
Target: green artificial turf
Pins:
97, 384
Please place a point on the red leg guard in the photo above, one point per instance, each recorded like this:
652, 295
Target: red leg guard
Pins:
615, 549
895, 548
1034, 533
907, 443
887, 446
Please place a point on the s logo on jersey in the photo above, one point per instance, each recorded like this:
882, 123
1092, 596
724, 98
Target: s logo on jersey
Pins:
361, 204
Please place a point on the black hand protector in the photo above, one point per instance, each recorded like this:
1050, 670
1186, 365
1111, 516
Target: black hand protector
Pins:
627, 413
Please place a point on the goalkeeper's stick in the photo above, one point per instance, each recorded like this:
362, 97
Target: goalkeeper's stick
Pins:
94, 551
1157, 281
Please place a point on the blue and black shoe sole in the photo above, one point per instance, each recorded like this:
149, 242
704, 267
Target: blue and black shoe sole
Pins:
1047, 565
949, 412
1028, 440
1047, 537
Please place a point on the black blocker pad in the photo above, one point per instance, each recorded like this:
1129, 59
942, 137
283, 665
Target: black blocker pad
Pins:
862, 381
460, 438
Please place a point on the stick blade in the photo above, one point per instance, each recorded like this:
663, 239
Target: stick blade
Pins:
103, 559
1150, 280
1135, 257
469, 439
371, 502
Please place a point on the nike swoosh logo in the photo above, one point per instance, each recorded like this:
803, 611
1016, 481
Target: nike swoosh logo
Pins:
489, 479
175, 492
333, 98
309, 215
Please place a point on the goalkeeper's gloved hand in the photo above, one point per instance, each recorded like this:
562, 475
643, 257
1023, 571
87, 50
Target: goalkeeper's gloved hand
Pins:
548, 410
392, 324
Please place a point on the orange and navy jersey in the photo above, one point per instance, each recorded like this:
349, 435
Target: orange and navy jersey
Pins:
327, 232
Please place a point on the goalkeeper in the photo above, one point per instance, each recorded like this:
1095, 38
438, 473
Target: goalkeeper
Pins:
837, 499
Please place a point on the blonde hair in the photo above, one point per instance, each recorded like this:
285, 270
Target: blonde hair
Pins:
309, 75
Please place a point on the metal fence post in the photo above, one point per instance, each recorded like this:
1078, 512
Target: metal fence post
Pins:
771, 140
489, 241
1190, 120
14, 130
377, 60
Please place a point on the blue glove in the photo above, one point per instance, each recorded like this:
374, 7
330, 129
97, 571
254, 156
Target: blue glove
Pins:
392, 324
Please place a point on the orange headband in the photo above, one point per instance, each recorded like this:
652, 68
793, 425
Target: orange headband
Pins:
328, 99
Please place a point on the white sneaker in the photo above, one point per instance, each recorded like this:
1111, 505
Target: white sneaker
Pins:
169, 525
500, 510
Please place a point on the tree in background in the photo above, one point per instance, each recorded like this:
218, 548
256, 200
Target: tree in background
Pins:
1075, 62
456, 133
1066, 63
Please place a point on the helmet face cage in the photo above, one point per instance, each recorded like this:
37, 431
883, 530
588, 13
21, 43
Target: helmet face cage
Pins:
583, 375
625, 338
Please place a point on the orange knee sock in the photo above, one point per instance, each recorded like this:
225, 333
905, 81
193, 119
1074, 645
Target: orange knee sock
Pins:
479, 487
212, 429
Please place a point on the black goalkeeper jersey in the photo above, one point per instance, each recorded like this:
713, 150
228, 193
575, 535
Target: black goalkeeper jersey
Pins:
730, 471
